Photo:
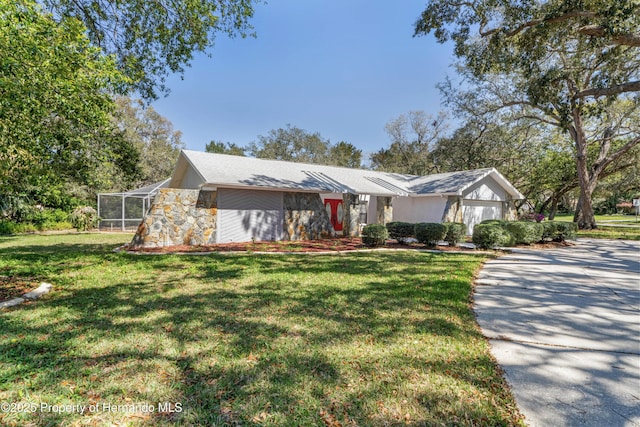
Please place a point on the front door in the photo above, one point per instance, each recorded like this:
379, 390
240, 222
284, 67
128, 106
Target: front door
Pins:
334, 209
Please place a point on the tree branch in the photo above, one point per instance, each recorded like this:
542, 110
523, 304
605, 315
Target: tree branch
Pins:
619, 39
549, 20
613, 90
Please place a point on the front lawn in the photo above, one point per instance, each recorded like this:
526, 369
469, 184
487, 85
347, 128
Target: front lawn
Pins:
375, 339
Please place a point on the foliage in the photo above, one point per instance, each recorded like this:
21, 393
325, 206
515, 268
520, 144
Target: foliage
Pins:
345, 155
56, 132
154, 138
150, 40
456, 232
297, 145
84, 218
525, 232
532, 216
400, 231
559, 231
374, 235
430, 233
491, 235
246, 340
413, 136
565, 64
220, 147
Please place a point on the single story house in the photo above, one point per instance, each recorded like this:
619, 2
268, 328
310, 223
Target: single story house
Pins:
218, 198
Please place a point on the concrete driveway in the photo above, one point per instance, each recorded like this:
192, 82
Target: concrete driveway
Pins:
564, 324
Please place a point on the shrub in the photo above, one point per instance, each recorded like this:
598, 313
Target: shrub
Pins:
46, 215
525, 232
559, 231
430, 233
400, 231
565, 230
456, 231
494, 221
489, 236
374, 235
549, 230
84, 218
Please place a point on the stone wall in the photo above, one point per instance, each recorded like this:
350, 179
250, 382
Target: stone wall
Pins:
179, 217
453, 210
305, 217
351, 219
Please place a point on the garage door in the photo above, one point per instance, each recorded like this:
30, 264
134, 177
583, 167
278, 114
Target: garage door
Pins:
476, 211
244, 215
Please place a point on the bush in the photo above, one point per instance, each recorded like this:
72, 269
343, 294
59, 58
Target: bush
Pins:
400, 231
565, 231
559, 231
84, 218
549, 230
374, 235
525, 232
488, 236
456, 231
494, 221
430, 233
46, 215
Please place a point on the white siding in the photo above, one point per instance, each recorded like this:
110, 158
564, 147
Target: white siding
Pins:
486, 189
191, 179
476, 211
244, 215
419, 209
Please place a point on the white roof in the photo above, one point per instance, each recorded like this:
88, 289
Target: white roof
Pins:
222, 170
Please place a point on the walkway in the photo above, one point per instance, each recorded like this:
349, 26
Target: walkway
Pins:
565, 326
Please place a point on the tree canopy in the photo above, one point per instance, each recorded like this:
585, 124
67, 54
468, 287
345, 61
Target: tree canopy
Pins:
151, 39
563, 63
413, 137
297, 145
55, 105
220, 147
157, 143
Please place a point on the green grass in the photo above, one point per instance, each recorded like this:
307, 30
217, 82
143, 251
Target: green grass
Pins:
370, 339
616, 227
611, 232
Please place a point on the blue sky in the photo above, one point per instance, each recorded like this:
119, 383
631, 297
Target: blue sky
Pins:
340, 68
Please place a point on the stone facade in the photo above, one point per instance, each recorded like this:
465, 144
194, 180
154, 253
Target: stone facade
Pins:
351, 219
179, 217
453, 210
509, 210
305, 217
384, 210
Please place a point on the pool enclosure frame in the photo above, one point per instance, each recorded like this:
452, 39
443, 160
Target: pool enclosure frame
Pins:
124, 211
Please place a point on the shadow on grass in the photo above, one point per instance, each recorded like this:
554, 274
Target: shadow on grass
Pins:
246, 340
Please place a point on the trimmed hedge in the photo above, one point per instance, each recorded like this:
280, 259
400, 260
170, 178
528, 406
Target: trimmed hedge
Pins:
430, 233
490, 235
400, 231
374, 235
559, 231
456, 232
525, 232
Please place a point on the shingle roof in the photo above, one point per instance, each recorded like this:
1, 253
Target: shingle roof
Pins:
236, 171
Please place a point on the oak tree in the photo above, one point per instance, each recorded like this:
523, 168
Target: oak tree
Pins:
566, 63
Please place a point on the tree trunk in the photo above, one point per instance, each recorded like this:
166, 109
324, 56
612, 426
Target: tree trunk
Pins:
554, 209
587, 182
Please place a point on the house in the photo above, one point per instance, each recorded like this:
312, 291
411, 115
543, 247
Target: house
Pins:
218, 198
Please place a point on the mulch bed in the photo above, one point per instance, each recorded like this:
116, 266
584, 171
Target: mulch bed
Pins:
325, 245
338, 244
